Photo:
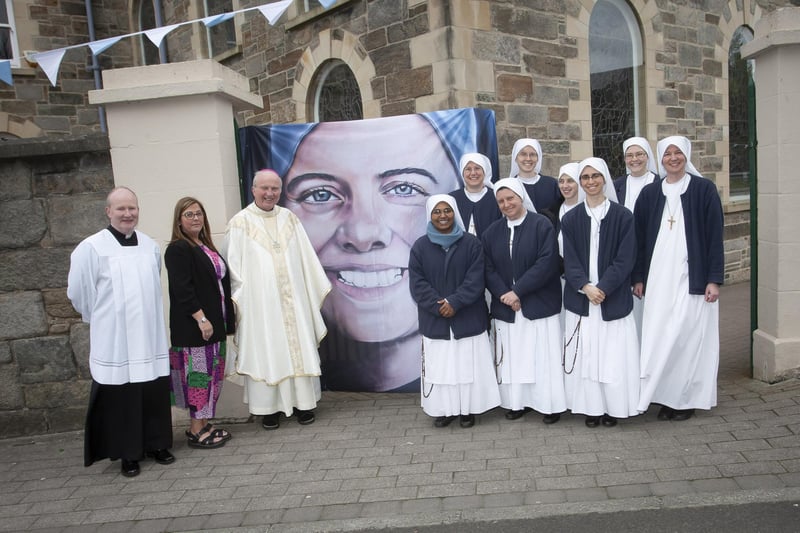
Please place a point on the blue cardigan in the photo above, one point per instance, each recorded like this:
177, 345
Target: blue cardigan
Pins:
484, 211
455, 275
544, 193
615, 260
533, 274
703, 219
621, 186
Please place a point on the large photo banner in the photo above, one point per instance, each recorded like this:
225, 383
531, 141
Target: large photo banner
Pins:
359, 188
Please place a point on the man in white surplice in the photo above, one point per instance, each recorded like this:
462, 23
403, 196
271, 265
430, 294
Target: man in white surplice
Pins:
278, 286
114, 283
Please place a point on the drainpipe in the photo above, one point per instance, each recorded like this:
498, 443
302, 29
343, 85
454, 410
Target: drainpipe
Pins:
95, 68
162, 53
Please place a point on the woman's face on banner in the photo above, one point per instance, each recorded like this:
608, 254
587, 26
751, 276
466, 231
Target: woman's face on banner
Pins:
360, 192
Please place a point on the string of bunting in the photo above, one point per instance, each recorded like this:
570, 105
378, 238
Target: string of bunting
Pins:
50, 61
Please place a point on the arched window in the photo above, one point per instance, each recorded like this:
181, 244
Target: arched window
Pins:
615, 63
147, 21
336, 95
740, 112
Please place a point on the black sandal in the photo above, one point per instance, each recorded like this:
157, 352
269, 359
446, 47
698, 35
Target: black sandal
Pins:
222, 434
193, 440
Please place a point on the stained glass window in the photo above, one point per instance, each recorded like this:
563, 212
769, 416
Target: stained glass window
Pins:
337, 96
740, 77
615, 59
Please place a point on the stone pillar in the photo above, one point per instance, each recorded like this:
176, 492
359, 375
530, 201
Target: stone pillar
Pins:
776, 50
172, 134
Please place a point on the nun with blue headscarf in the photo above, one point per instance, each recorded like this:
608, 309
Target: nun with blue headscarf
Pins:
601, 346
523, 275
446, 278
476, 199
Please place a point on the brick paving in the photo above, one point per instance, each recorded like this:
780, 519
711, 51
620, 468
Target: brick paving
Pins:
375, 460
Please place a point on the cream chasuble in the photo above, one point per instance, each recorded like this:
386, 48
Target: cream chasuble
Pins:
278, 286
117, 289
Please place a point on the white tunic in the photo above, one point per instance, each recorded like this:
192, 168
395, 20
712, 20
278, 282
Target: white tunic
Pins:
458, 377
278, 286
634, 186
680, 331
601, 363
117, 289
528, 360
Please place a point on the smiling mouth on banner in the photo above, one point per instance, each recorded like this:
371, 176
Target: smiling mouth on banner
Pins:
370, 279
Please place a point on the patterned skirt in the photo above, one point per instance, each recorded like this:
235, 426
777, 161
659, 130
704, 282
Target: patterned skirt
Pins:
196, 375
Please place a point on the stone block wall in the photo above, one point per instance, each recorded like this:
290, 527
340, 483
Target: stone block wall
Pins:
52, 195
32, 106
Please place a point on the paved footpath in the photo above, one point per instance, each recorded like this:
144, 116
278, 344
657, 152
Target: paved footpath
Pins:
375, 460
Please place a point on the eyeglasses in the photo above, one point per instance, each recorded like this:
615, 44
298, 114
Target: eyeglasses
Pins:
637, 155
188, 215
595, 176
446, 211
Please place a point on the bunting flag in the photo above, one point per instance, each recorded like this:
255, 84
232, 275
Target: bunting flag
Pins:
5, 72
327, 3
98, 47
156, 35
50, 61
213, 20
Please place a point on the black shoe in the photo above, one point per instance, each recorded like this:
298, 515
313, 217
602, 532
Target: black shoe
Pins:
467, 421
130, 468
592, 421
272, 421
666, 413
551, 418
609, 421
304, 417
515, 414
443, 421
162, 457
683, 414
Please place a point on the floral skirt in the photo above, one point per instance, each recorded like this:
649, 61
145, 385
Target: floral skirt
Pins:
196, 375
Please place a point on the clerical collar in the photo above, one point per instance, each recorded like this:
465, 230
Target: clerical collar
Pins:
121, 238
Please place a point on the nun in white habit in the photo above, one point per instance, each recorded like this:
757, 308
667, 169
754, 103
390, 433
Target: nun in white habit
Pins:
601, 347
641, 167
679, 267
446, 278
642, 170
523, 276
526, 165
475, 200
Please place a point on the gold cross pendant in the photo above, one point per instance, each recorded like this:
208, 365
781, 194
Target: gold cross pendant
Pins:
671, 221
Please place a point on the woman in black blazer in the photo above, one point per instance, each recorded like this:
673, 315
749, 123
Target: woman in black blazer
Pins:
200, 318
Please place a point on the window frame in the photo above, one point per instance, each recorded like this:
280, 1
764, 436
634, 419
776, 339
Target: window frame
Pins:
319, 79
235, 47
634, 61
16, 54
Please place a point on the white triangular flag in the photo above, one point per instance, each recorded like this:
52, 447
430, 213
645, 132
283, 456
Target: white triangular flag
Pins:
156, 35
98, 47
274, 11
50, 62
327, 3
213, 20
